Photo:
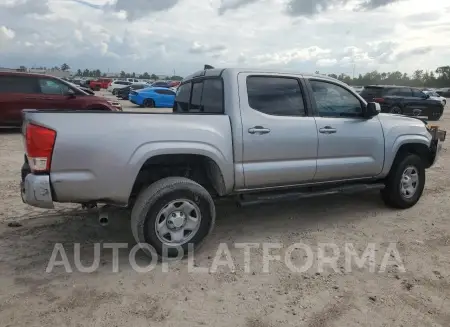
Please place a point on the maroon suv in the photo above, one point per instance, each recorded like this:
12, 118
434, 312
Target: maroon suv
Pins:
20, 91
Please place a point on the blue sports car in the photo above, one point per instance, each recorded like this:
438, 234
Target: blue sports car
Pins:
153, 97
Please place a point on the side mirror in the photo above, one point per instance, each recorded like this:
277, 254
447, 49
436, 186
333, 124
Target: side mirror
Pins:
70, 93
371, 110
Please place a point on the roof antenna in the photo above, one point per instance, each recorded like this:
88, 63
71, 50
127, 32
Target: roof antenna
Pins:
208, 67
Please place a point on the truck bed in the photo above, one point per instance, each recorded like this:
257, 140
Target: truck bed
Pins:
101, 153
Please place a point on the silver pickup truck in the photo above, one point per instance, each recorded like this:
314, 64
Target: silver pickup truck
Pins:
259, 136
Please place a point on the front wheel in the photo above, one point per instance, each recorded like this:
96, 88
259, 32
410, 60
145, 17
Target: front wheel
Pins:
171, 214
405, 182
149, 103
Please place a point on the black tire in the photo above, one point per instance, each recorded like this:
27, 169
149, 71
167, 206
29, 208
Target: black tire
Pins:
158, 195
391, 194
433, 118
149, 103
114, 91
396, 110
444, 102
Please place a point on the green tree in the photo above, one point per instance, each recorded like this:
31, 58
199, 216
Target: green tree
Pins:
65, 67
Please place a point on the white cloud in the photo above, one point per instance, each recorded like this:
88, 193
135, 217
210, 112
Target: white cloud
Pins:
7, 33
326, 62
161, 36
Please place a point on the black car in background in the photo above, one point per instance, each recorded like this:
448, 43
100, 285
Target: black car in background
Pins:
403, 100
161, 84
124, 92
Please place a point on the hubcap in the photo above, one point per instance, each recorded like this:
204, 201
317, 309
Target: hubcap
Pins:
177, 222
409, 182
395, 110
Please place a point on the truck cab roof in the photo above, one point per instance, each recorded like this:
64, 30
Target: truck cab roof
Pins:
217, 72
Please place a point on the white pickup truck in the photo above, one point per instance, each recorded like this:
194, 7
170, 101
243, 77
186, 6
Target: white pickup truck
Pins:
257, 135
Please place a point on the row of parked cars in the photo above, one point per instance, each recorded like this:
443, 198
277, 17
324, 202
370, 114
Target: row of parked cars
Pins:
156, 95
405, 100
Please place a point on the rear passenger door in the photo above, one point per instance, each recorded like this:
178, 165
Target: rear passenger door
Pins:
16, 93
279, 137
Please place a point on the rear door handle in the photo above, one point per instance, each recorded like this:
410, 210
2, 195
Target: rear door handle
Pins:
258, 130
327, 130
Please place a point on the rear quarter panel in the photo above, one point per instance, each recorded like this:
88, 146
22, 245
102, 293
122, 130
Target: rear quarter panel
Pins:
97, 156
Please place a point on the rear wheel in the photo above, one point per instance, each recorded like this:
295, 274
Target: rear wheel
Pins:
172, 213
114, 91
149, 103
405, 183
396, 110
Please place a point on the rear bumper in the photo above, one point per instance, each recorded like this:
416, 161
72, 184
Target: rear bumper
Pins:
36, 191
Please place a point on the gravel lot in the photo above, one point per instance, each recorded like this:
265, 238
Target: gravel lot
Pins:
29, 296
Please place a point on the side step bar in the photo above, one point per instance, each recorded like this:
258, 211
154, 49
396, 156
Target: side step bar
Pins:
260, 198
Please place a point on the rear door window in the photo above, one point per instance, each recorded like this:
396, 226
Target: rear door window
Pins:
18, 84
417, 93
279, 96
372, 92
404, 92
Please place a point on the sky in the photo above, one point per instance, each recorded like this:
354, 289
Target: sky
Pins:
180, 36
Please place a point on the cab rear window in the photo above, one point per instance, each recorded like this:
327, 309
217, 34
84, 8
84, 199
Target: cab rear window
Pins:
200, 96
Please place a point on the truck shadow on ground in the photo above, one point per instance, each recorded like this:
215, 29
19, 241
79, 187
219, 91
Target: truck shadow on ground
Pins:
29, 247
10, 130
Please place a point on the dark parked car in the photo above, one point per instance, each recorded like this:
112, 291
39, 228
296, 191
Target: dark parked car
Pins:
161, 84
403, 100
125, 92
20, 91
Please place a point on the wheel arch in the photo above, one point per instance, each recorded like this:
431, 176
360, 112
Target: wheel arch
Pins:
419, 146
205, 167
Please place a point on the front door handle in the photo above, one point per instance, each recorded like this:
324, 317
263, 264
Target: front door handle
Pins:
258, 130
327, 130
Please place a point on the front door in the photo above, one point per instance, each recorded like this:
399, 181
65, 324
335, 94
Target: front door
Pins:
279, 138
350, 146
54, 95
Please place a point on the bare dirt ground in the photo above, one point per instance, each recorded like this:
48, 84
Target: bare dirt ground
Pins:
29, 296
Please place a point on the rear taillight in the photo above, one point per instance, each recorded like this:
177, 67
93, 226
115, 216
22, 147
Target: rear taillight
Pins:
39, 147
379, 100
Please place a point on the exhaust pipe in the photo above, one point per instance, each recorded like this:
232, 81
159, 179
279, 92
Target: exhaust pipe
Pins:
103, 219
